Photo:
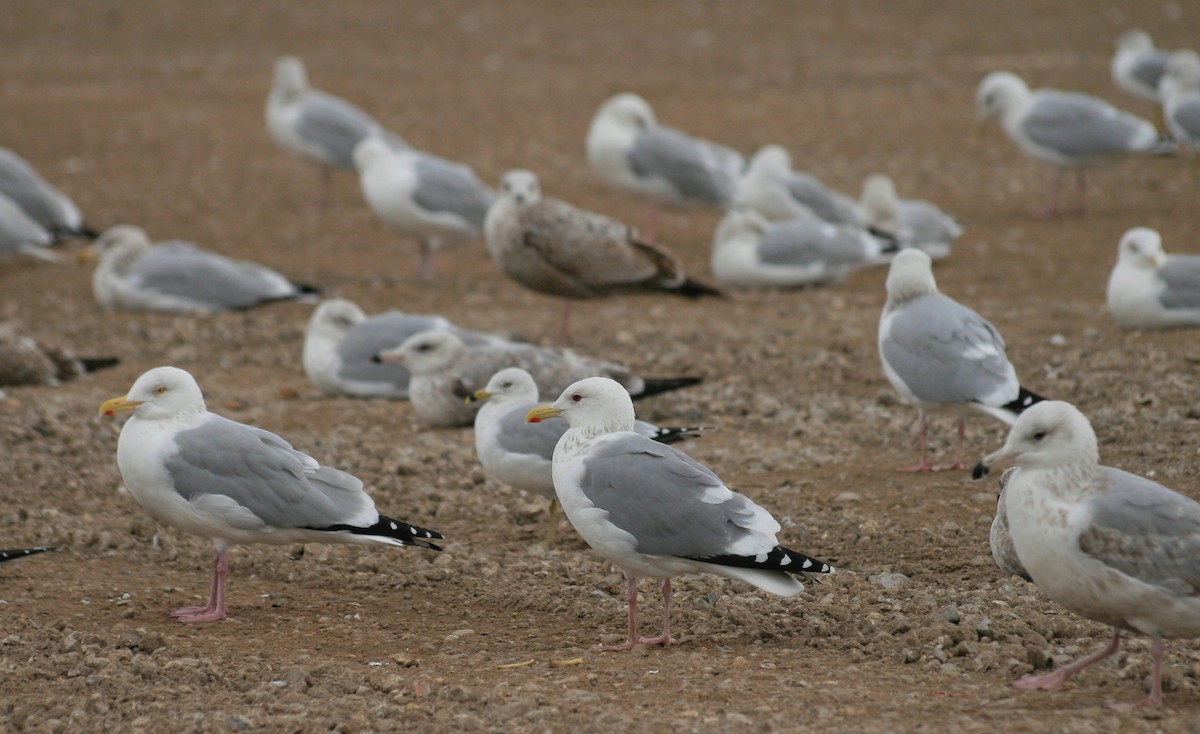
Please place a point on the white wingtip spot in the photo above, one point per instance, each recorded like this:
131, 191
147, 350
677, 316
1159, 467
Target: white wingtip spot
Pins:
760, 558
807, 564
785, 560
394, 526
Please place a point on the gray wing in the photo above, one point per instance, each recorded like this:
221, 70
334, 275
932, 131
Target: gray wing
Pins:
43, 203
658, 495
800, 243
1149, 68
824, 202
696, 169
375, 334
1181, 276
443, 186
222, 461
334, 125
945, 352
184, 271
1146, 531
1079, 125
1187, 116
927, 223
538, 439
17, 229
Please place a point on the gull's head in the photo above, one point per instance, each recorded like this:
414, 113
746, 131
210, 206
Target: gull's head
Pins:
1135, 39
910, 276
1141, 247
879, 199
629, 111
521, 186
1183, 70
370, 151
427, 352
290, 77
743, 227
334, 318
1049, 435
998, 93
511, 385
161, 393
597, 405
770, 161
116, 244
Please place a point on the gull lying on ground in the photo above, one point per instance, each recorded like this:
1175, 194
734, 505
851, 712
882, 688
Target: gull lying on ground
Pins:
234, 483
518, 453
1065, 129
914, 222
41, 201
19, 234
1106, 544
177, 277
422, 196
341, 343
770, 187
445, 371
654, 511
1137, 66
939, 354
1149, 289
1180, 93
25, 362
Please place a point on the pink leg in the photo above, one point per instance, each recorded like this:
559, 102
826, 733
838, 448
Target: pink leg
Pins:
565, 334
631, 598
962, 434
1050, 681
1051, 209
665, 638
216, 600
651, 226
427, 268
924, 465
1156, 694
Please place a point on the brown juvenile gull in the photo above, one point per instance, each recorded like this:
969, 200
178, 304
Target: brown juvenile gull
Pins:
552, 247
939, 354
445, 371
23, 361
1106, 544
234, 483
652, 510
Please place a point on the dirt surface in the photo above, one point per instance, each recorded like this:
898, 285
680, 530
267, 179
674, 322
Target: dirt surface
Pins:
151, 113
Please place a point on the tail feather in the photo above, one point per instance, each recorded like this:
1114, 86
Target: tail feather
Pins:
15, 553
91, 364
695, 289
669, 435
394, 532
665, 384
778, 559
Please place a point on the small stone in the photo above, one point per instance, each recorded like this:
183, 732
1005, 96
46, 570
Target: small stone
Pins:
889, 580
983, 629
947, 614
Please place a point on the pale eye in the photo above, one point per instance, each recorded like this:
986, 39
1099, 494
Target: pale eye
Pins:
159, 390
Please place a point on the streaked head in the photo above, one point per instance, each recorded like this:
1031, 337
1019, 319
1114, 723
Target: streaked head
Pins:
521, 186
1048, 435
740, 226
999, 92
511, 385
334, 318
161, 393
597, 405
427, 352
1141, 247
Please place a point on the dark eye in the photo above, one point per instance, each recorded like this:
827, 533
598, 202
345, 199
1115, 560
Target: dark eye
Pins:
576, 397
160, 390
1039, 435
507, 384
423, 347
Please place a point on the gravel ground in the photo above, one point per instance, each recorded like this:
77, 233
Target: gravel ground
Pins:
151, 113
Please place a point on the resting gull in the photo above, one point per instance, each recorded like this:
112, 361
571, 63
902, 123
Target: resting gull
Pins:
445, 371
914, 222
652, 510
939, 354
552, 247
41, 201
774, 190
749, 251
1137, 66
177, 277
1149, 289
1180, 92
341, 343
18, 553
316, 126
234, 483
419, 195
23, 361
517, 453
1066, 129
1106, 544
20, 234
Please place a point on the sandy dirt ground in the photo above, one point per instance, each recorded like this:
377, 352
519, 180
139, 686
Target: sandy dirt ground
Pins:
152, 113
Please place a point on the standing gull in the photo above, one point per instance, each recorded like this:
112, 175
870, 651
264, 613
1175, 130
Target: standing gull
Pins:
341, 342
652, 510
44, 204
422, 196
316, 126
518, 453
914, 222
551, 247
1149, 289
1065, 129
1180, 93
177, 277
1137, 66
774, 190
749, 251
939, 354
235, 483
445, 371
1106, 544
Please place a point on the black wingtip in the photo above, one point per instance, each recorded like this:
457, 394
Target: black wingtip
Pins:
778, 559
889, 244
376, 359
673, 435
1025, 400
92, 364
695, 289
404, 532
666, 384
309, 290
979, 472
15, 553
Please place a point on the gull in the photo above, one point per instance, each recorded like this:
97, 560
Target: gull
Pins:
41, 201
999, 537
630, 150
1065, 129
1137, 66
315, 126
234, 483
20, 234
652, 510
341, 342
914, 222
177, 277
749, 251
17, 553
422, 196
1180, 93
1106, 544
939, 354
519, 454
25, 362
552, 247
774, 190
1149, 289
445, 371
